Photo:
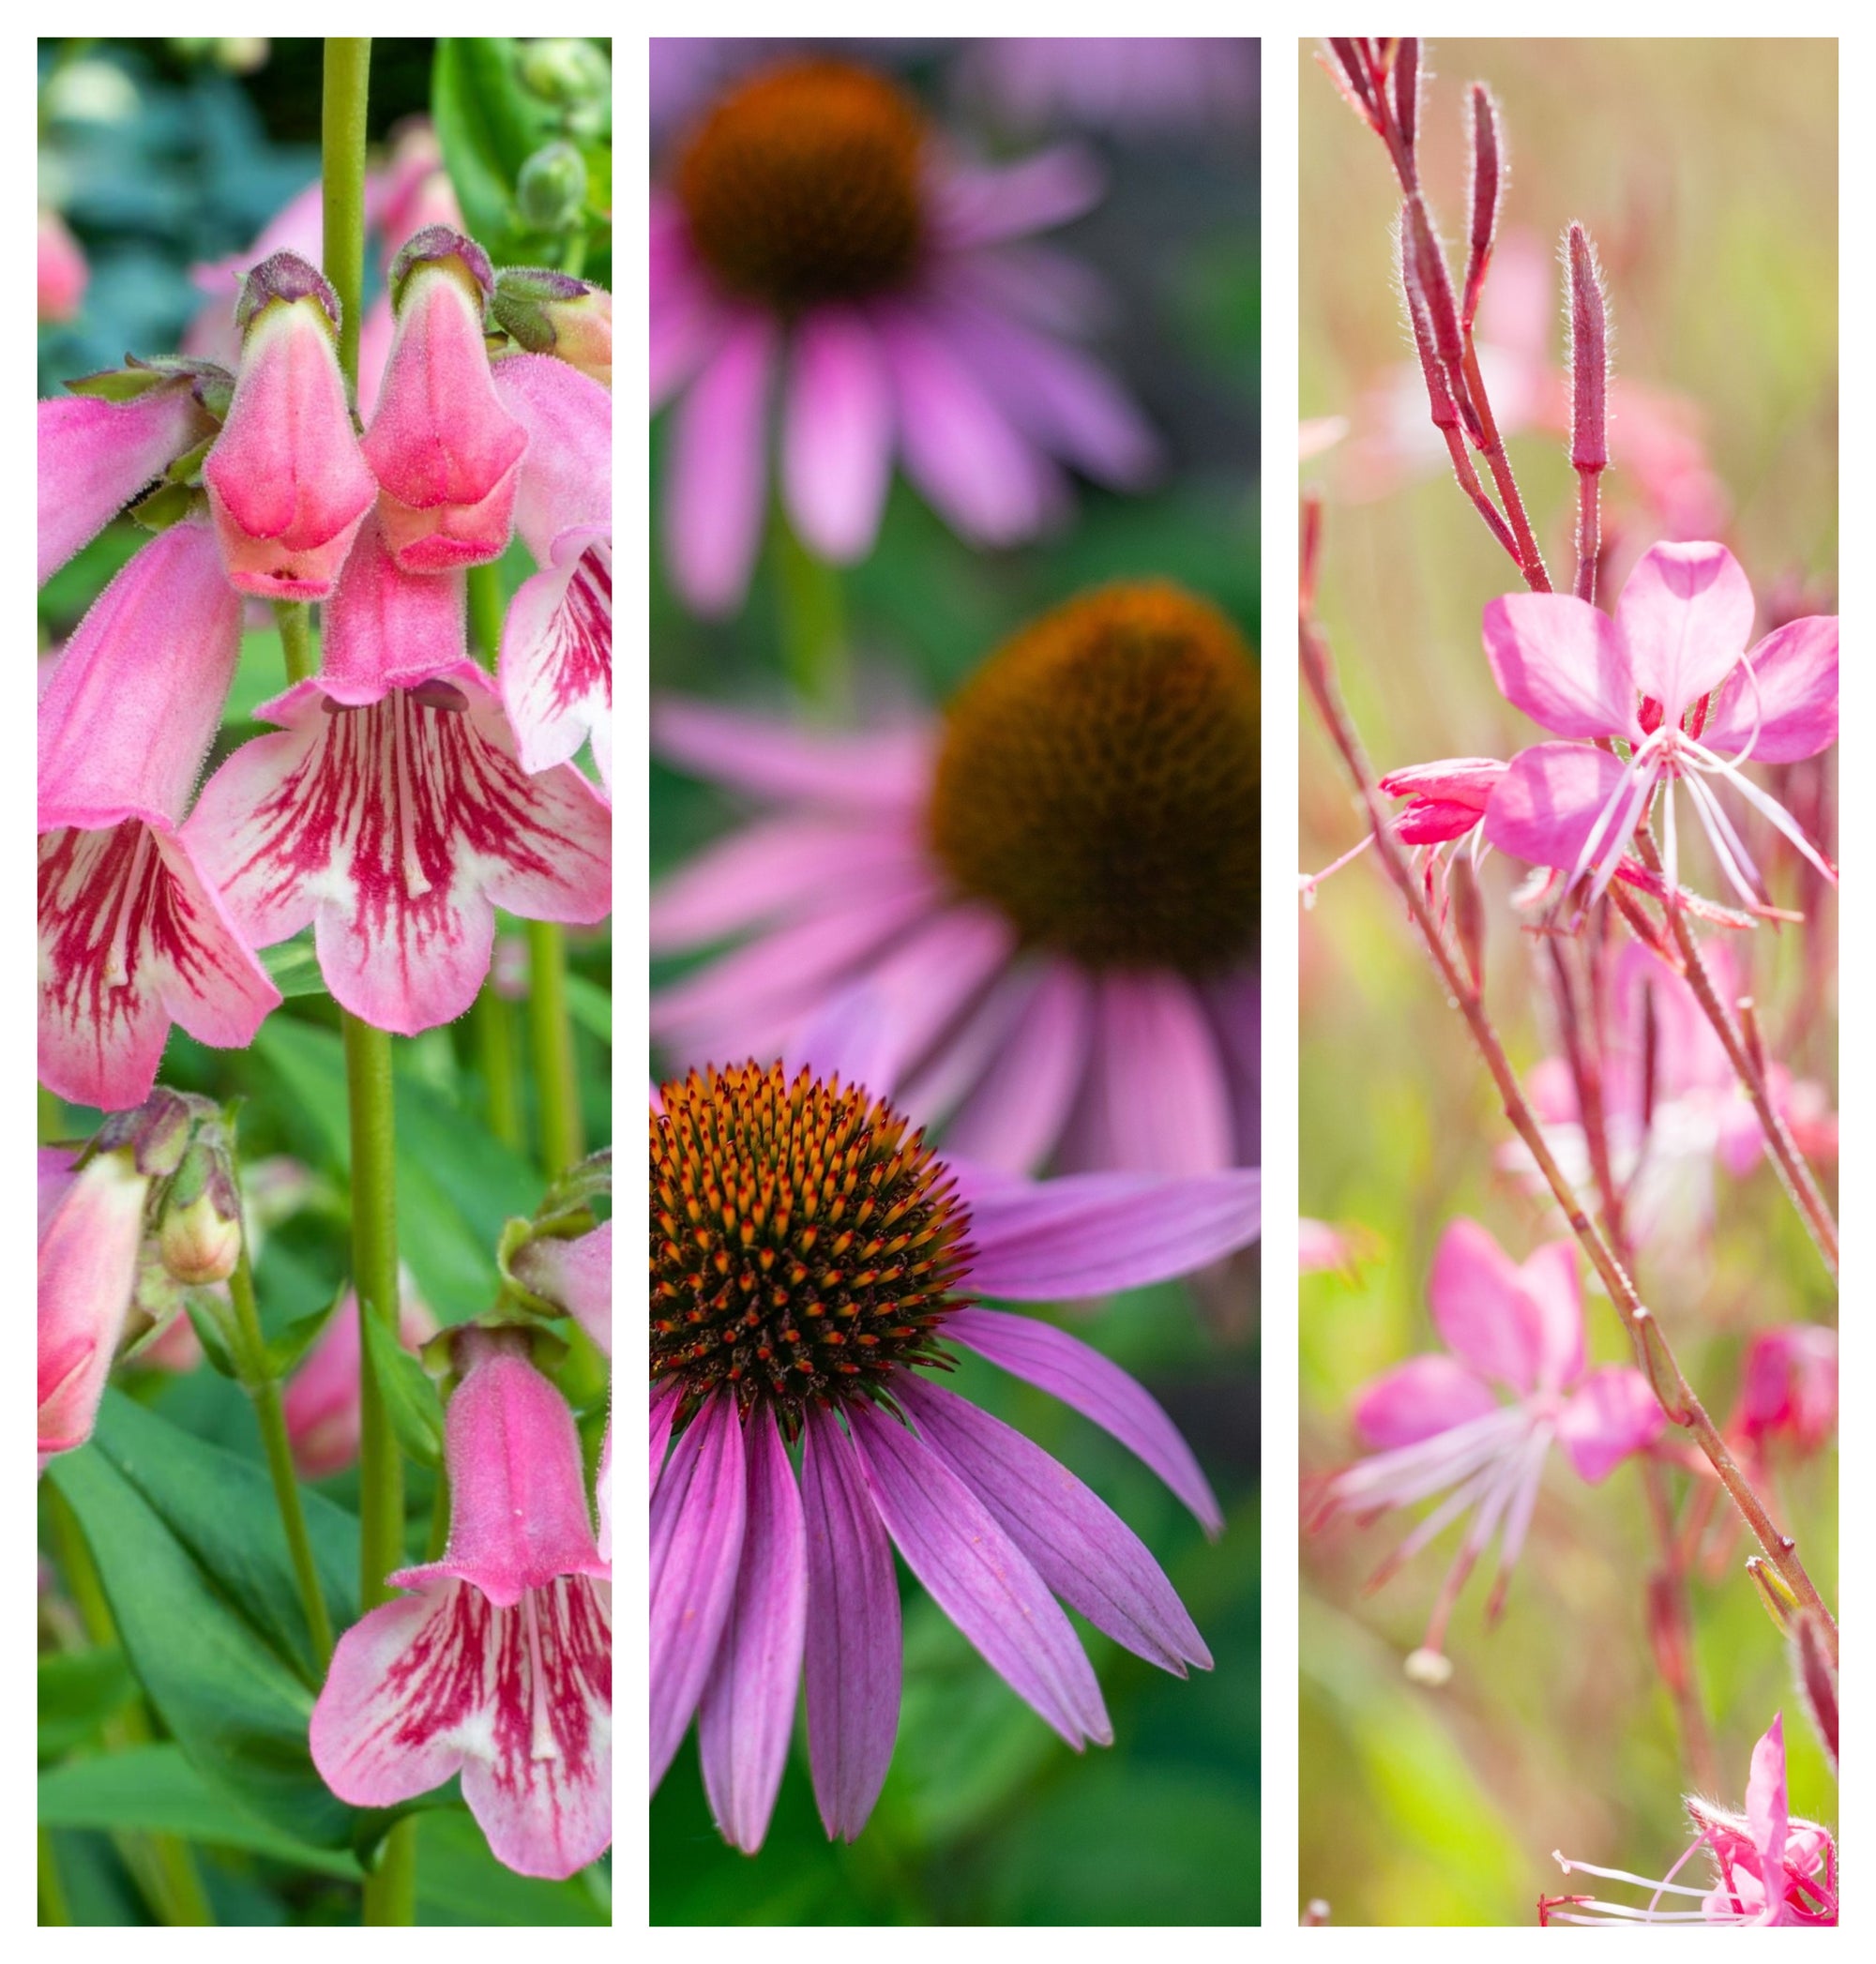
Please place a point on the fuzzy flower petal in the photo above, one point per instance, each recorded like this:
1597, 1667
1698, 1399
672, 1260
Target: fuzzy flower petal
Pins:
1417, 1399
1780, 705
1684, 617
94, 456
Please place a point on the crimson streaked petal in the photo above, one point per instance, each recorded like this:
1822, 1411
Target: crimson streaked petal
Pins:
556, 666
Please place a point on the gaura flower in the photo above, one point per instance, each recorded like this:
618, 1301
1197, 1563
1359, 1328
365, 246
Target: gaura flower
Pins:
133, 932
1768, 1869
557, 661
1788, 1388
287, 482
1053, 895
321, 1398
443, 448
1440, 1425
1669, 677
814, 232
498, 1664
812, 1260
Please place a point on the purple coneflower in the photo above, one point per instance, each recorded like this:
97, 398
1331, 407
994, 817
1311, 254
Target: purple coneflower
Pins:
815, 229
812, 1263
1053, 893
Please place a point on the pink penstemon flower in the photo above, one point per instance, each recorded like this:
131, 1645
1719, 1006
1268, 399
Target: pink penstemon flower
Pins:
1768, 1869
816, 242
320, 1401
1671, 678
497, 1662
1440, 1425
759, 1577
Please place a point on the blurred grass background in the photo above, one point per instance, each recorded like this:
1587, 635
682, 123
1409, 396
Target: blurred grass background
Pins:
986, 1817
1706, 171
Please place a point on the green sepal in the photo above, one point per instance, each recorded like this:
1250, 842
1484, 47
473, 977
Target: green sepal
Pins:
204, 1311
168, 504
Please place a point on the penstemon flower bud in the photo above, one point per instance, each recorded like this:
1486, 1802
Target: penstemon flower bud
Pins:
199, 1226
552, 187
553, 313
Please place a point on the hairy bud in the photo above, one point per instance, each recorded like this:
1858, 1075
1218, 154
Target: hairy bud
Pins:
1488, 172
1589, 354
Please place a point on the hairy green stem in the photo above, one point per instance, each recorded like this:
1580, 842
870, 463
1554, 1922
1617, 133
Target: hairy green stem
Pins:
485, 611
294, 618
341, 137
562, 1139
265, 1390
495, 1050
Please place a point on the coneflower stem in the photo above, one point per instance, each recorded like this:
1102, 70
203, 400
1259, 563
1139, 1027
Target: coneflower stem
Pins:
814, 624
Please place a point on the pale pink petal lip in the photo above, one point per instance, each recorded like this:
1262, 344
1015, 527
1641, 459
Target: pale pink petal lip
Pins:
837, 435
1549, 800
718, 476
1782, 700
1079, 1546
556, 659
1418, 1399
697, 1516
1480, 1307
1612, 1415
1082, 1378
1685, 617
855, 1653
981, 1579
566, 469
1562, 663
747, 1708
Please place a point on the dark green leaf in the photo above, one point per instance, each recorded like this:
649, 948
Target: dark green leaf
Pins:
204, 1314
410, 1396
459, 1883
286, 1350
78, 1691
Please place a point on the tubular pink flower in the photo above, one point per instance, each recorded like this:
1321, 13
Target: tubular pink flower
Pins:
321, 1398
133, 934
1768, 1869
498, 1664
62, 270
557, 661
1671, 678
385, 628
576, 1274
94, 456
91, 1226
397, 829
445, 451
287, 482
1441, 1427
759, 1581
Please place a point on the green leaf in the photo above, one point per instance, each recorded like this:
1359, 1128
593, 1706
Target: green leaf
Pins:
459, 1883
78, 1691
591, 1006
295, 967
489, 126
153, 1789
205, 1315
284, 1354
410, 1395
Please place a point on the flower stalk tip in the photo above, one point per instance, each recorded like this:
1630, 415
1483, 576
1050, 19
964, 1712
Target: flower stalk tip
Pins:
1487, 166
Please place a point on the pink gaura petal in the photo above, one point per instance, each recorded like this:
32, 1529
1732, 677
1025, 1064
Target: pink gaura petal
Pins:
980, 1578
94, 456
718, 473
1553, 1285
747, 1709
698, 1510
1562, 663
855, 1660
1685, 617
556, 666
1781, 701
1768, 1805
1613, 1415
1082, 1378
1418, 1399
1482, 1309
837, 433
1548, 801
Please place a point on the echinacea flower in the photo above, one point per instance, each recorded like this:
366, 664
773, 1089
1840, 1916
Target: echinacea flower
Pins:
1768, 1869
1441, 1427
1671, 678
1053, 895
811, 1261
1165, 85
816, 243
498, 1663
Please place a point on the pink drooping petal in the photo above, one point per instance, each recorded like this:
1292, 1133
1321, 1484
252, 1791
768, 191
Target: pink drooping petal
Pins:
1092, 1234
837, 435
747, 1708
1418, 1399
1768, 1806
444, 450
1481, 1309
960, 448
567, 471
1015, 1114
854, 1660
132, 937
1553, 1284
1445, 799
665, 1399
1157, 1087
517, 1699
1082, 1378
288, 484
397, 829
848, 1036
94, 456
698, 1510
767, 757
1781, 701
556, 667
689, 321
88, 1242
986, 205
1562, 663
384, 628
1613, 1415
1685, 617
578, 1275
1085, 1553
980, 1578
1548, 801
136, 699
718, 474
321, 1399
927, 980
518, 1513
